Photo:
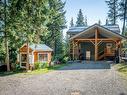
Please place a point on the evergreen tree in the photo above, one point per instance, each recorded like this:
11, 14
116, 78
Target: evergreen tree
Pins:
71, 23
107, 23
56, 25
123, 13
113, 11
80, 19
4, 5
86, 21
99, 22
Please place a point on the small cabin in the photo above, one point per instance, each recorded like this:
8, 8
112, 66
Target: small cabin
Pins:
37, 53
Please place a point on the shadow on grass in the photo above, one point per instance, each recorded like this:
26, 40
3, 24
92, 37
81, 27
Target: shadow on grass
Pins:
39, 71
2, 74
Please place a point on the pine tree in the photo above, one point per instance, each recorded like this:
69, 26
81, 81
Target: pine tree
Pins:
71, 23
99, 22
107, 23
123, 13
80, 19
113, 11
86, 21
3, 19
56, 25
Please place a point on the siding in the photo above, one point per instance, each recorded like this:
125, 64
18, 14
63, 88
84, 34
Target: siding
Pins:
87, 46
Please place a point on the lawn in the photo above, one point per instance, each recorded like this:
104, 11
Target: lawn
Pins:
122, 69
34, 72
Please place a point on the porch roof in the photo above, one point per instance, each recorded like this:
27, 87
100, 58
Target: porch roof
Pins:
104, 31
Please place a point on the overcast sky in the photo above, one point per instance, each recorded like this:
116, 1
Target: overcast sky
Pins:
94, 10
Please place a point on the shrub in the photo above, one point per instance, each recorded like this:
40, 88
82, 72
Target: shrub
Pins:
44, 65
40, 65
37, 65
61, 59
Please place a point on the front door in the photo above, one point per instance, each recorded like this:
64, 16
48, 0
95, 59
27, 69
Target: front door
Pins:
88, 55
109, 48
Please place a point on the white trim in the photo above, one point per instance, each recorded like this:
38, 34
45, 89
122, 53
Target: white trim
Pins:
21, 61
43, 53
33, 58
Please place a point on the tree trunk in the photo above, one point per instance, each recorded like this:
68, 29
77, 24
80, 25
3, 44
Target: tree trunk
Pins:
7, 54
27, 64
124, 18
6, 39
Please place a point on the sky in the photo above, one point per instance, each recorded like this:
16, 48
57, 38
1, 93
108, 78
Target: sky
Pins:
95, 10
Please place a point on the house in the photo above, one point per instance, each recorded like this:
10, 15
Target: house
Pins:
37, 53
96, 42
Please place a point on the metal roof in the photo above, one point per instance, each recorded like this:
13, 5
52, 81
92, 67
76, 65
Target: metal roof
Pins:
113, 28
101, 27
40, 47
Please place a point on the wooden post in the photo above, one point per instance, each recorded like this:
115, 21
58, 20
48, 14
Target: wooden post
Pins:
78, 51
27, 64
96, 46
73, 51
120, 47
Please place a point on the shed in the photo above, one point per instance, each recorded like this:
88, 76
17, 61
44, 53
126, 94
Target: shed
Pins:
37, 53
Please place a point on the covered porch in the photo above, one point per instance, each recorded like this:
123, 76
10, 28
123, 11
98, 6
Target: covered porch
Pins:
95, 43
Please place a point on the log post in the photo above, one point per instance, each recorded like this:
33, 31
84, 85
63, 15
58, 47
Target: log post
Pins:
73, 51
96, 45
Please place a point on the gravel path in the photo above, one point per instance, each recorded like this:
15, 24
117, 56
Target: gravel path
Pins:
69, 80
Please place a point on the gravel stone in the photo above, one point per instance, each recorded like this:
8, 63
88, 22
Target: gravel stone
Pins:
75, 79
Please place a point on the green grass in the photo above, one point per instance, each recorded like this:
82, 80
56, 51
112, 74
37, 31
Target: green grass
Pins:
122, 69
34, 72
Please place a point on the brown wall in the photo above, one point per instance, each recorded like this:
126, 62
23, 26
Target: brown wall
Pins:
24, 49
44, 52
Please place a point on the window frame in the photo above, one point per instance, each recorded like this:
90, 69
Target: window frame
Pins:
44, 58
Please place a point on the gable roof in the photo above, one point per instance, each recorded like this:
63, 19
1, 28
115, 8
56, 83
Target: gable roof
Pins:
86, 30
40, 47
75, 30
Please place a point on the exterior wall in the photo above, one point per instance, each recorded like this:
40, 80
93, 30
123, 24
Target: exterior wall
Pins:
102, 46
24, 49
43, 52
87, 46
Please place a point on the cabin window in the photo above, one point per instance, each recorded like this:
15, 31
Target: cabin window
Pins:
43, 57
24, 57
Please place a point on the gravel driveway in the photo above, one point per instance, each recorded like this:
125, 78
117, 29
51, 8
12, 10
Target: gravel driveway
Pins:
69, 80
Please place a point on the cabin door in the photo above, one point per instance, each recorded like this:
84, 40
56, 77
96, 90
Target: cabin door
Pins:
88, 55
109, 48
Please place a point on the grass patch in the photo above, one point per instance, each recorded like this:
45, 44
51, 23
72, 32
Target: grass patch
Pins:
122, 69
34, 72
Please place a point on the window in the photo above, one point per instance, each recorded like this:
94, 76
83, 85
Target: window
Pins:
24, 57
42, 57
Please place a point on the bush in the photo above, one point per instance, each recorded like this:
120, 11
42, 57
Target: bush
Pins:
44, 65
61, 59
40, 65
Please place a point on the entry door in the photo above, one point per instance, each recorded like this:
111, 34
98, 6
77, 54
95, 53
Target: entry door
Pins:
109, 47
88, 55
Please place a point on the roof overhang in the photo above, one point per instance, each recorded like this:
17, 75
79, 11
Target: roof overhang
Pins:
104, 31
